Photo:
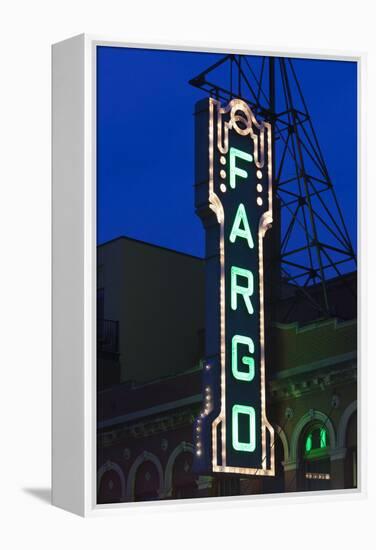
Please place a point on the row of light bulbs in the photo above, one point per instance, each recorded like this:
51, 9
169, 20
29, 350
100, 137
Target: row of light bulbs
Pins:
208, 402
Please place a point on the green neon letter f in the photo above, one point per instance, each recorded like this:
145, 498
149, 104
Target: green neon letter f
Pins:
235, 170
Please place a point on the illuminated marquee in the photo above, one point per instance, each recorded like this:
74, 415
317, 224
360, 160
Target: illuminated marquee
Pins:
234, 202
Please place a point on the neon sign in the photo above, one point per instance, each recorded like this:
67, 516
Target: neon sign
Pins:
234, 202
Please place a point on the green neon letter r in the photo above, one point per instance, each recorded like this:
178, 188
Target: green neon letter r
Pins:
245, 291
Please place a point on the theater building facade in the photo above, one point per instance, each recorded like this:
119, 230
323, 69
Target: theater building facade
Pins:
150, 349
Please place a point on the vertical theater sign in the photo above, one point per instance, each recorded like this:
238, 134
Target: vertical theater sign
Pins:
234, 201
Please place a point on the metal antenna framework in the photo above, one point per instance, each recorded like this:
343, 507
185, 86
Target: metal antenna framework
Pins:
315, 245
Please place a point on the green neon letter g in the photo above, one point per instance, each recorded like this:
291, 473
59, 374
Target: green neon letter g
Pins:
249, 375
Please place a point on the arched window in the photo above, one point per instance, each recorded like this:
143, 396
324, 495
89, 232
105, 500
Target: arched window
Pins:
146, 486
316, 440
109, 489
183, 479
315, 464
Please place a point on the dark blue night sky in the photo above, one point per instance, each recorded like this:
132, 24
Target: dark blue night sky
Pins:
146, 141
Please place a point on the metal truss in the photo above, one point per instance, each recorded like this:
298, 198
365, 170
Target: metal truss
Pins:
314, 244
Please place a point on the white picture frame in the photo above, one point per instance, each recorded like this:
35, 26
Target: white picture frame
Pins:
74, 467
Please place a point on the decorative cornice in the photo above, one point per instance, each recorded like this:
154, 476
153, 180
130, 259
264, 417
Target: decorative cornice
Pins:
125, 418
316, 365
160, 424
307, 382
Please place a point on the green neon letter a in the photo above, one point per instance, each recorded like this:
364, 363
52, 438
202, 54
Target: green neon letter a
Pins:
237, 231
245, 291
235, 170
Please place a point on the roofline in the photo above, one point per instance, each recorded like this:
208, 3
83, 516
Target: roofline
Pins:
150, 244
134, 385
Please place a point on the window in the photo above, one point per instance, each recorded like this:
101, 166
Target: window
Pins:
315, 467
317, 439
